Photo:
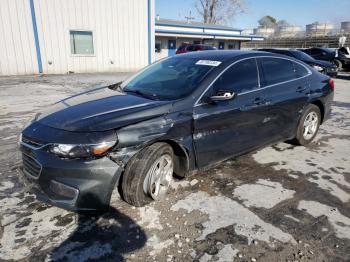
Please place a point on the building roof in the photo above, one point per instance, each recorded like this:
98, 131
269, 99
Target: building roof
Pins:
170, 22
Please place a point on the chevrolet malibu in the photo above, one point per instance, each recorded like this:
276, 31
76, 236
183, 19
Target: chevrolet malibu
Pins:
175, 117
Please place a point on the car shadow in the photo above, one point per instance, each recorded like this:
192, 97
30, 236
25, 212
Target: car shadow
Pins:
108, 236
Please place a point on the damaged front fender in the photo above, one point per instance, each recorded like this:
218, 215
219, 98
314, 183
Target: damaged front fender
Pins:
175, 129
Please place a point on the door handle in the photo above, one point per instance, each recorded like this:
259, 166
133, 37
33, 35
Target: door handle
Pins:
261, 101
301, 89
258, 101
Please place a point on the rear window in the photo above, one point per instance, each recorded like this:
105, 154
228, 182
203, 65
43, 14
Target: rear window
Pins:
300, 70
182, 47
277, 70
191, 48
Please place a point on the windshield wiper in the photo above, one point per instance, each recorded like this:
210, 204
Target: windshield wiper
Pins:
138, 92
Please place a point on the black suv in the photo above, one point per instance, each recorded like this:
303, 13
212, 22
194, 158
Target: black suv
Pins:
335, 56
179, 115
324, 67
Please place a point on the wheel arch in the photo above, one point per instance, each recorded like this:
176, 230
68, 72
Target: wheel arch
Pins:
320, 105
181, 157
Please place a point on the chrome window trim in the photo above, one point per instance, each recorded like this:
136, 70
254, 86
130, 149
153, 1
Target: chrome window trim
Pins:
259, 83
257, 70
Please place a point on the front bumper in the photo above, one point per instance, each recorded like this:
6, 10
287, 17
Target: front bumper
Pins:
73, 184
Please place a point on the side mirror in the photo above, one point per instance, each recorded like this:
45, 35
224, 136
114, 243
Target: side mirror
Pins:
222, 96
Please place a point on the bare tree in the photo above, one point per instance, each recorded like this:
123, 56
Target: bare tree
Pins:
219, 11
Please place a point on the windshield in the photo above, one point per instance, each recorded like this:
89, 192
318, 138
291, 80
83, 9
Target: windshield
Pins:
302, 56
168, 79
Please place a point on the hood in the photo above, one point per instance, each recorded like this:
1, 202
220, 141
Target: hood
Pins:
101, 109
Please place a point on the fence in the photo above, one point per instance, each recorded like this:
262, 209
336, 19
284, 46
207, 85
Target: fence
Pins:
297, 42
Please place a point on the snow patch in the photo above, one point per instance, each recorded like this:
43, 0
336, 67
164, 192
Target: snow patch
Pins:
263, 193
150, 218
224, 255
340, 223
223, 211
319, 164
158, 245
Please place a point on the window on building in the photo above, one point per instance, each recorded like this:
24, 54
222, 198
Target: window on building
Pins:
81, 43
158, 46
221, 45
241, 77
231, 46
277, 70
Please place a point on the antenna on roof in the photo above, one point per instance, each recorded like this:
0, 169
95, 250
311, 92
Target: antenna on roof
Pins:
189, 18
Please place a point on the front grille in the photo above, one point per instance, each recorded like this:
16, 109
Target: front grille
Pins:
31, 166
31, 141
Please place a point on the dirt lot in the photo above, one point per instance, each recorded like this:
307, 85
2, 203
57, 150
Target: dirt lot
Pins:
281, 203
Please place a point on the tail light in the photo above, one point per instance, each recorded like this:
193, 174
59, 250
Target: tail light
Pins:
331, 84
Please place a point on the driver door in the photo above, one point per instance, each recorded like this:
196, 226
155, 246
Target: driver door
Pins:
234, 126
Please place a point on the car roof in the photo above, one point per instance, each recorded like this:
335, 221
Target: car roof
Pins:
224, 55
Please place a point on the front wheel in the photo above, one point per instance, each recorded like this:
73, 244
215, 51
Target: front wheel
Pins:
338, 64
148, 175
308, 125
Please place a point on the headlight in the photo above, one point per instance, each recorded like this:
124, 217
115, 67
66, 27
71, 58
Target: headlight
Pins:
81, 151
318, 68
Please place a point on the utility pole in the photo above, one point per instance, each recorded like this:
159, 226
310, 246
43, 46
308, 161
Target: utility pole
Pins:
189, 18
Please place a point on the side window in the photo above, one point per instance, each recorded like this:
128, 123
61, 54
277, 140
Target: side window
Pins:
239, 78
300, 70
277, 70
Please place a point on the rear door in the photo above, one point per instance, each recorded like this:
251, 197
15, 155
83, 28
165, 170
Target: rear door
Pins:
231, 127
286, 84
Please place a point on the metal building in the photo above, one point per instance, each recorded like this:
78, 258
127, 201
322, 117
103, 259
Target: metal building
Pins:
345, 27
264, 31
60, 36
288, 31
319, 29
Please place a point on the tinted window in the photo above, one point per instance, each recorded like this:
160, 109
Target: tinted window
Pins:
169, 79
239, 78
300, 70
277, 70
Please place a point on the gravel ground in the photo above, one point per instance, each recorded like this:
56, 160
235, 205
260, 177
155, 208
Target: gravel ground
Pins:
281, 203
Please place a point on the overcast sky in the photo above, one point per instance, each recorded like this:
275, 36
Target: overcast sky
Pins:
298, 12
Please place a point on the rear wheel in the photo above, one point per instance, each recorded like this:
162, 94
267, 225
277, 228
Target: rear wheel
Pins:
148, 175
308, 125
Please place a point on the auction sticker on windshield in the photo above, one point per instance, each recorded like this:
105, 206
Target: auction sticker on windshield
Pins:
208, 62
